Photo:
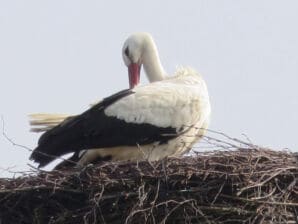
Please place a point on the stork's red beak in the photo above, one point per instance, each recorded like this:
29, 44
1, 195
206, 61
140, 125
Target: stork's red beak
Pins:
134, 71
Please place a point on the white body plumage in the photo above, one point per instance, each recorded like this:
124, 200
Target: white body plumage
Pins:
180, 101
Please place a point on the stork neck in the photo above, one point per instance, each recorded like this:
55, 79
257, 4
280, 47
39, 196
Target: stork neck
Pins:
152, 64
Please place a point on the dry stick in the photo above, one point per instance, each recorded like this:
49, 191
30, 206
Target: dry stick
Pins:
264, 197
177, 206
263, 182
259, 201
219, 191
226, 136
29, 149
10, 140
154, 200
233, 139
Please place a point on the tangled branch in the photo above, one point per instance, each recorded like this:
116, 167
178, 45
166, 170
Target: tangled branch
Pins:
244, 185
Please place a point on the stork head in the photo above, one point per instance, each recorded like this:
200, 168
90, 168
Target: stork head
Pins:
139, 49
132, 53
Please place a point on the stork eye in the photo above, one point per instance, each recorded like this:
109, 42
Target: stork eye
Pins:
126, 51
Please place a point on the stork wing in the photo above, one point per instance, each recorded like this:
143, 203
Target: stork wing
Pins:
95, 129
152, 113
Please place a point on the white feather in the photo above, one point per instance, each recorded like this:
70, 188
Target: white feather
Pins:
179, 101
41, 122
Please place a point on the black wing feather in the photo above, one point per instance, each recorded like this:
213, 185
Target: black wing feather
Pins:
94, 129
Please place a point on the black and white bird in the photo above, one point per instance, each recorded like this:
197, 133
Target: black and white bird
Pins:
163, 118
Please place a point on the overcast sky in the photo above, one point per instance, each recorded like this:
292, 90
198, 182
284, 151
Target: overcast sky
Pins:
61, 55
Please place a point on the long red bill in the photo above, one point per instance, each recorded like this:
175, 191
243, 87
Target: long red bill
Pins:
134, 74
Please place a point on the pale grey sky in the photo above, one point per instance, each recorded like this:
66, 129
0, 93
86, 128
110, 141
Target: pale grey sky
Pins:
61, 55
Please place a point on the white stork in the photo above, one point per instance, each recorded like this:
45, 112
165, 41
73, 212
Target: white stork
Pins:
163, 118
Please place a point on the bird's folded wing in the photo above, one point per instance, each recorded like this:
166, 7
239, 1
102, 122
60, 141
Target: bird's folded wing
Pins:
144, 115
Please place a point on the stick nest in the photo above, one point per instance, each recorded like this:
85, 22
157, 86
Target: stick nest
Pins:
235, 186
